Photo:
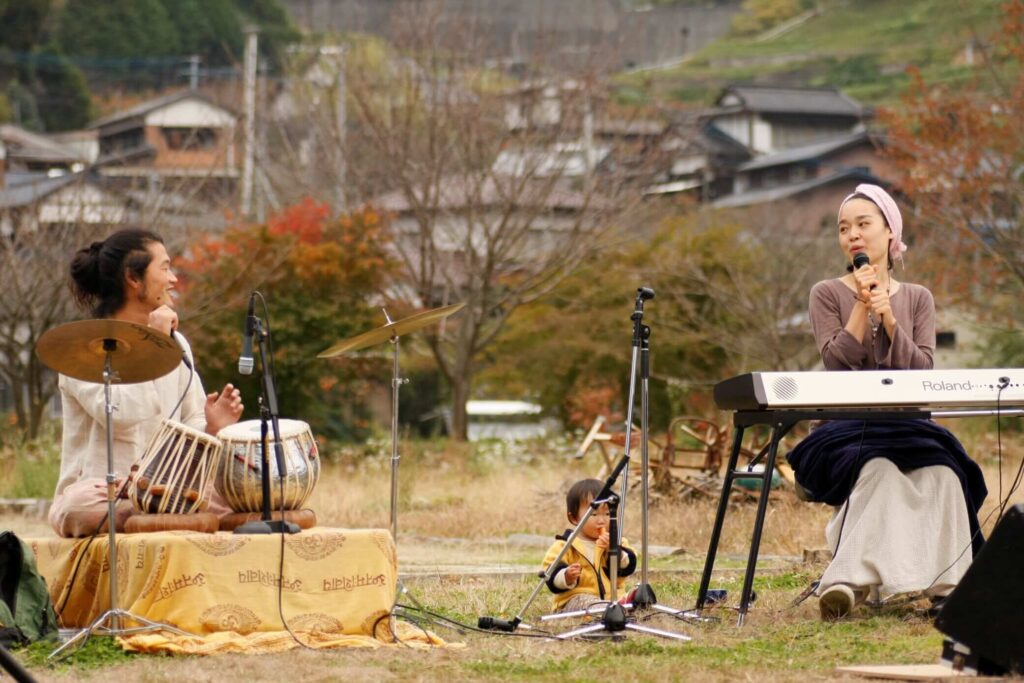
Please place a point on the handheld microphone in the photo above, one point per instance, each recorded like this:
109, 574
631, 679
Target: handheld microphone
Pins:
645, 293
495, 624
245, 360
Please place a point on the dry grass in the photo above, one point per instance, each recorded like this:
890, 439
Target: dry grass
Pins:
460, 504
453, 492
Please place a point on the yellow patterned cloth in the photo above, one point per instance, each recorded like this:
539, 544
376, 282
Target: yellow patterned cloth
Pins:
337, 585
224, 642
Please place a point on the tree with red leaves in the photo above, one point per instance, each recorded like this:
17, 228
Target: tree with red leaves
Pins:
318, 275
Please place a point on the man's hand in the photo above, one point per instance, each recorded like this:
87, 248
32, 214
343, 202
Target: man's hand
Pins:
223, 409
164, 319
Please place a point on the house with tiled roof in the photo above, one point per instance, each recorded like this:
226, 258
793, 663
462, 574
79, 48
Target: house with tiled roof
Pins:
179, 140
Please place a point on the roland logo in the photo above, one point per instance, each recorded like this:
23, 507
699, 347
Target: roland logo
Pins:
939, 385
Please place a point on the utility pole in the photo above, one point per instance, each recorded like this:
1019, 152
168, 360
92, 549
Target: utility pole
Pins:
589, 155
251, 38
193, 72
340, 119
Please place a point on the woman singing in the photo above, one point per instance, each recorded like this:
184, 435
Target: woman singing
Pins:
906, 495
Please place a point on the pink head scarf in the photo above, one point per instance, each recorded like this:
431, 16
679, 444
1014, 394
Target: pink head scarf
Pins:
891, 212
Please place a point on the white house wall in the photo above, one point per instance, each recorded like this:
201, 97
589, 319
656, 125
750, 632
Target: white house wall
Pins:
547, 232
736, 126
81, 204
762, 142
749, 130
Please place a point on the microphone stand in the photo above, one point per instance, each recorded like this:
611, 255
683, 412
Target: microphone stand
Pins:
644, 597
268, 414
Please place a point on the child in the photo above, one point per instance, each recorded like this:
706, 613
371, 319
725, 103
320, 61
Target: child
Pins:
578, 583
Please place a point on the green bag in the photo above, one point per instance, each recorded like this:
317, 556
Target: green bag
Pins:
26, 611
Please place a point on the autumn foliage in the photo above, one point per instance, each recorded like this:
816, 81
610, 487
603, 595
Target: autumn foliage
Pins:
318, 275
961, 153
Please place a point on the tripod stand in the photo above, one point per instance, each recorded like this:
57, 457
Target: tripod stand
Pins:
614, 619
644, 597
392, 332
112, 621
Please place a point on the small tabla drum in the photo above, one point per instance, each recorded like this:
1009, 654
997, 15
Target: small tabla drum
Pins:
239, 477
172, 476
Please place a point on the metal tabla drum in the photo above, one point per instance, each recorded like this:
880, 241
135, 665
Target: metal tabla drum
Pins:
173, 473
241, 467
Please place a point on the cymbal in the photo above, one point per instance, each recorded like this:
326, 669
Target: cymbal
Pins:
396, 329
139, 353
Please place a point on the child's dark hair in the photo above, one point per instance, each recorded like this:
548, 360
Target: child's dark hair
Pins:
97, 271
583, 491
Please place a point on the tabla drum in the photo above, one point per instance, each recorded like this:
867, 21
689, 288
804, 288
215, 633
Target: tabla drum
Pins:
241, 467
172, 476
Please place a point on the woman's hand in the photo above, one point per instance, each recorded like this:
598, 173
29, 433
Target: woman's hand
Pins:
867, 278
878, 301
223, 409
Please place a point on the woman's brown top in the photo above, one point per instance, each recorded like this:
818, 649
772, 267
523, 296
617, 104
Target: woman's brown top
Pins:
913, 342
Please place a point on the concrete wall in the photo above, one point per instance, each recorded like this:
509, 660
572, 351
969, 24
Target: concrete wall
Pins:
571, 31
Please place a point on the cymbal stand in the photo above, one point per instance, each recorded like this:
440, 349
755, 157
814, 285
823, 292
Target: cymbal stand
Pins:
396, 383
112, 621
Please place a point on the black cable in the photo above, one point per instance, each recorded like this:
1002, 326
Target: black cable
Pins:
547, 634
392, 625
1001, 506
188, 385
280, 482
854, 475
280, 583
842, 525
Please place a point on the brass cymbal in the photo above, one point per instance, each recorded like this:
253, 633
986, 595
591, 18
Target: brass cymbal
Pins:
138, 353
398, 328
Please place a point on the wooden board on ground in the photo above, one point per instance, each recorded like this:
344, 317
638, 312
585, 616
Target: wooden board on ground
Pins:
905, 672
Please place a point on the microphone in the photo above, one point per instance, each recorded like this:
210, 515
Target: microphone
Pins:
495, 624
645, 293
245, 360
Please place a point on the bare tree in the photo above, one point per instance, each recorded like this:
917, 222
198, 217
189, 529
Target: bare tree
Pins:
737, 285
496, 187
34, 255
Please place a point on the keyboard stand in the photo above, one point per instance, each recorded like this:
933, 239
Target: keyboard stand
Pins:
781, 421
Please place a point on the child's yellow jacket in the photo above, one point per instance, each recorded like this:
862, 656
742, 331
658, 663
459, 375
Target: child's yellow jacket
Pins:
591, 581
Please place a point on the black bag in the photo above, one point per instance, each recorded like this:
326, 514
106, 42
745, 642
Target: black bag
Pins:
26, 611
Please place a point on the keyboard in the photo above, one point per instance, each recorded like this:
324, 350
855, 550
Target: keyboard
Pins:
866, 389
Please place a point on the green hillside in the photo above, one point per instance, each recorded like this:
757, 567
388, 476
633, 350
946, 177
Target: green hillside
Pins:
861, 46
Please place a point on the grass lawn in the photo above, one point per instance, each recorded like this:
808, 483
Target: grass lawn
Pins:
474, 522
